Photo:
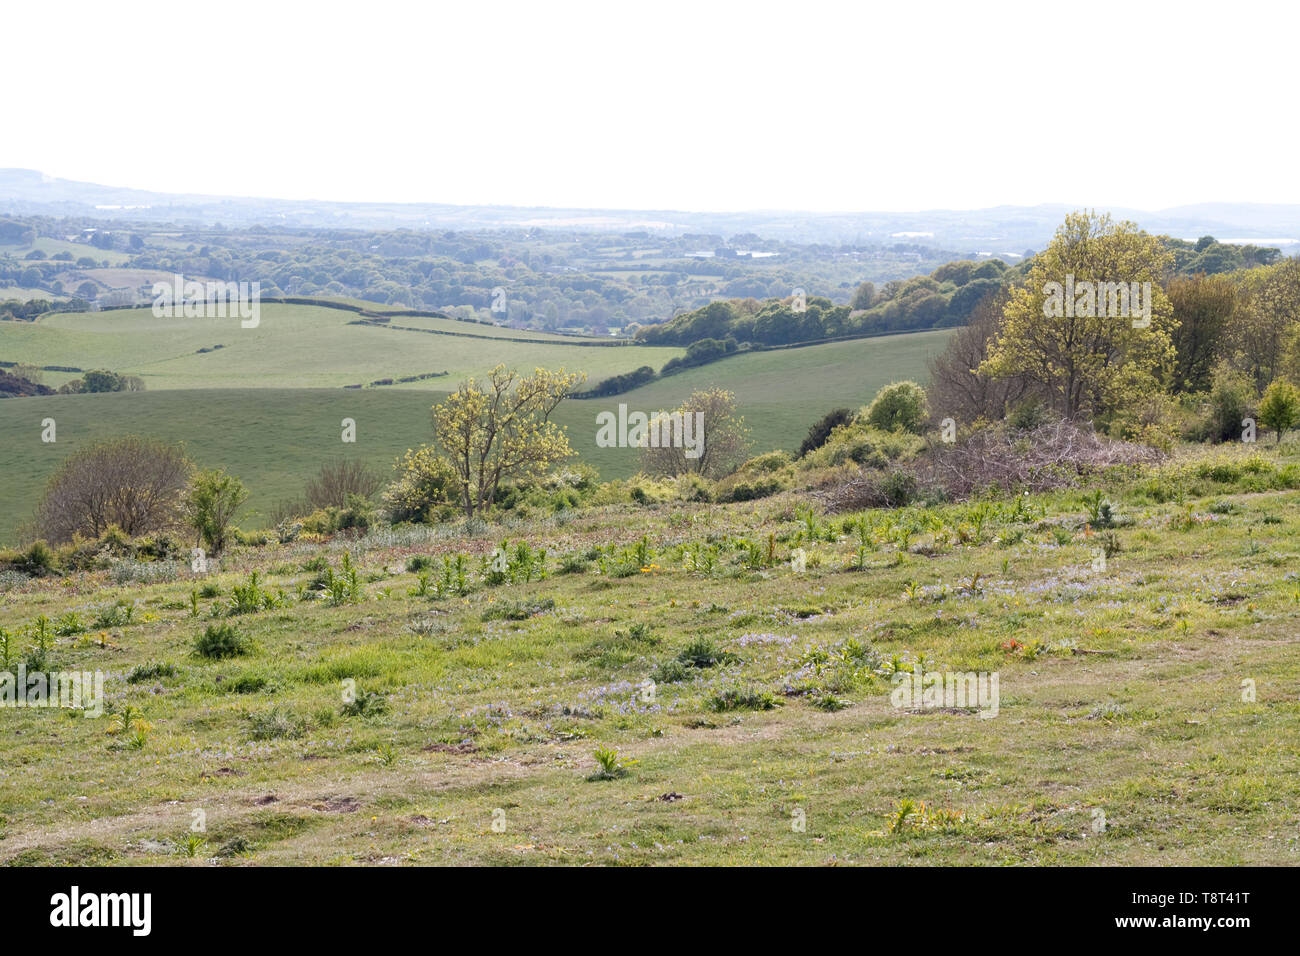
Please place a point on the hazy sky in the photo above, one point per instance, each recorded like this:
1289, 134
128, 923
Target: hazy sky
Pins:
699, 105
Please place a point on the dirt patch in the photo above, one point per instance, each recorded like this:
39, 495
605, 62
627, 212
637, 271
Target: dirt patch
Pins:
462, 748
221, 772
337, 805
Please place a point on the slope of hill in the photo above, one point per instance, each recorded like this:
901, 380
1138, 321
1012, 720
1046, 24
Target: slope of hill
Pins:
298, 346
275, 437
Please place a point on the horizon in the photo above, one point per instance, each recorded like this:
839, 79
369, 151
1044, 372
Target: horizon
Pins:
46, 177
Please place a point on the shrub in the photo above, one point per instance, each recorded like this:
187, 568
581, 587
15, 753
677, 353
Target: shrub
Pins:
898, 407
133, 483
210, 505
275, 724
425, 481
37, 561
737, 698
750, 490
153, 670
337, 481
821, 430
117, 614
700, 654
1028, 414
219, 641
249, 684
1231, 401
251, 597
1279, 409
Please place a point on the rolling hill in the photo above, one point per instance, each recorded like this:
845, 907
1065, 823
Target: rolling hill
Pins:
268, 406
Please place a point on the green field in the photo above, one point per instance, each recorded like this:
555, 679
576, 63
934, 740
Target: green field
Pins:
52, 247
267, 418
294, 346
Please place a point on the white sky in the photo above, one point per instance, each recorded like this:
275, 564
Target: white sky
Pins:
699, 105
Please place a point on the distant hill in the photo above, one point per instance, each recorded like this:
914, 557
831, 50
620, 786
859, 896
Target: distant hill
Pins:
999, 230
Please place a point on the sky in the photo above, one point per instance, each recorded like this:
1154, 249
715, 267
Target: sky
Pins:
709, 106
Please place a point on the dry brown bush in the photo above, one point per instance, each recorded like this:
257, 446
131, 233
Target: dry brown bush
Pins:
338, 479
133, 483
1054, 455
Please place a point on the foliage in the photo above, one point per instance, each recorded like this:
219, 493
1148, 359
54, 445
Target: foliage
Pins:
820, 432
899, 406
1083, 358
220, 641
716, 427
502, 430
134, 483
1279, 409
210, 506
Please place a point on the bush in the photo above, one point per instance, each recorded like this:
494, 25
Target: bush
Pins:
337, 481
37, 561
220, 641
1231, 401
133, 483
700, 654
821, 430
274, 725
426, 481
153, 670
1279, 409
741, 699
1028, 415
898, 407
749, 490
213, 499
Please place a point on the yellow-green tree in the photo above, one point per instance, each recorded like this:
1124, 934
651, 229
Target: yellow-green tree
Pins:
501, 429
1264, 322
1091, 324
1279, 409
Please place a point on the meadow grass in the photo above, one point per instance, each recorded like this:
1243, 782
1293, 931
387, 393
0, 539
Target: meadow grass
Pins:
512, 723
294, 346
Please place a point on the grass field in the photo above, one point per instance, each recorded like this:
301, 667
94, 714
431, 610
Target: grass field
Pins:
293, 347
52, 247
1124, 732
274, 437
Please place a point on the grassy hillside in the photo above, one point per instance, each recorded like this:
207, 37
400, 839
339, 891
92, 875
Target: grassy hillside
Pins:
295, 346
275, 437
1121, 732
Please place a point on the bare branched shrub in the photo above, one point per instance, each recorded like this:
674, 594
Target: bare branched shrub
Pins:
134, 483
721, 436
960, 392
338, 479
286, 509
1054, 455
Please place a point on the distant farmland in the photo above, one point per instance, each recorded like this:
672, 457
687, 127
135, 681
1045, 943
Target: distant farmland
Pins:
259, 409
296, 346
